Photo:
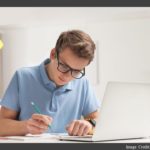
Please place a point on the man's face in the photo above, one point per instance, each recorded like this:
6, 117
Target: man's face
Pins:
69, 60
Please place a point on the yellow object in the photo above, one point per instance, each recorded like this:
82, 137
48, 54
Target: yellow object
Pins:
1, 44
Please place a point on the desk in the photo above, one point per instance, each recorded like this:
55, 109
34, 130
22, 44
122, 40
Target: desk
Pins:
51, 138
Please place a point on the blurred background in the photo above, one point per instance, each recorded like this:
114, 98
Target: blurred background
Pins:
121, 34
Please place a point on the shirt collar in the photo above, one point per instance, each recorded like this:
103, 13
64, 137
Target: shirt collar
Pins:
48, 82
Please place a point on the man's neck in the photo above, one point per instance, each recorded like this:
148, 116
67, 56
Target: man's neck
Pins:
49, 74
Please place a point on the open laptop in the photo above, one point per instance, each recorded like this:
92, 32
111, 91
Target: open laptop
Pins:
124, 114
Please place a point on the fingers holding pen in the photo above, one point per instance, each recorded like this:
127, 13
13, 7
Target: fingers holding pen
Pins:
38, 123
42, 118
33, 128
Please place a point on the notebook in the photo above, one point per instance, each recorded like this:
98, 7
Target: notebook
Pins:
124, 114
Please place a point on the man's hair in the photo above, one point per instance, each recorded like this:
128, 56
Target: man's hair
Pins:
78, 41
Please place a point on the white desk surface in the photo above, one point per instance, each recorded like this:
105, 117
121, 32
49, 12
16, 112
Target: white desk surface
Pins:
47, 138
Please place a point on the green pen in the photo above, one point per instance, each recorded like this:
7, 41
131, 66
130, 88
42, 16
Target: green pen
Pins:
37, 110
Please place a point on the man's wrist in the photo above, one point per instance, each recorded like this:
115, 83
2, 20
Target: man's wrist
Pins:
93, 123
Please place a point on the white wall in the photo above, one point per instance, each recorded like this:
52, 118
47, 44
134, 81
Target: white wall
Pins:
124, 51
14, 53
122, 48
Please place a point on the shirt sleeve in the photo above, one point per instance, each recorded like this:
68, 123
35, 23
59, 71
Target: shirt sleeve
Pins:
11, 97
91, 102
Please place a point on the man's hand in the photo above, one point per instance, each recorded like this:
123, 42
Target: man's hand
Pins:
38, 123
79, 128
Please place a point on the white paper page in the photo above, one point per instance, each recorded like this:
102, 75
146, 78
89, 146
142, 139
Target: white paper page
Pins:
29, 138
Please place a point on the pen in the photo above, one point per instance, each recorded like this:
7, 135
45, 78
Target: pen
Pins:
37, 110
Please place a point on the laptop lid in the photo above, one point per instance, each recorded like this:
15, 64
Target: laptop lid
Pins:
125, 112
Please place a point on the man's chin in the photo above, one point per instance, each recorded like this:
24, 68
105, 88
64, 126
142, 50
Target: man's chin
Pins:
60, 83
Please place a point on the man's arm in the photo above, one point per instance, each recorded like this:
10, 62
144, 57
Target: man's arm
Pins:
9, 125
93, 115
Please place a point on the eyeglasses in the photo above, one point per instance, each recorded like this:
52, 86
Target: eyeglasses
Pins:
77, 74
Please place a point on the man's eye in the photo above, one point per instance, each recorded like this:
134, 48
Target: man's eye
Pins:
64, 66
76, 71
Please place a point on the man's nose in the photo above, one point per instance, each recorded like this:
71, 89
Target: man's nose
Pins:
68, 73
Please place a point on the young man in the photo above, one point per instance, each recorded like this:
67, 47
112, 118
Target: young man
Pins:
58, 87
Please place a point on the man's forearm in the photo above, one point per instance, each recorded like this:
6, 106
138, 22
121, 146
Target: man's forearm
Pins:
9, 127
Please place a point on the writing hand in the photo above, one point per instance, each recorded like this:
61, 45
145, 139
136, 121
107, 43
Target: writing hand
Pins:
38, 123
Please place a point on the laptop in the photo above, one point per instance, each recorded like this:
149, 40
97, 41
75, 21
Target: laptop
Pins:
124, 114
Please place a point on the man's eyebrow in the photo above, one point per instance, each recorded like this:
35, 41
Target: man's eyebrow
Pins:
69, 66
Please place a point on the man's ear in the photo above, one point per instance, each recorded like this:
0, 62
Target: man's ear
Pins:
53, 54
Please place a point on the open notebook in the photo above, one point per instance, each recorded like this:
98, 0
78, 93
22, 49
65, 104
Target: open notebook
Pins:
124, 114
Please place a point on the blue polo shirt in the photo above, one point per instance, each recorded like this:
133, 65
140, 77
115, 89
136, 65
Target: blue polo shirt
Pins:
63, 104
